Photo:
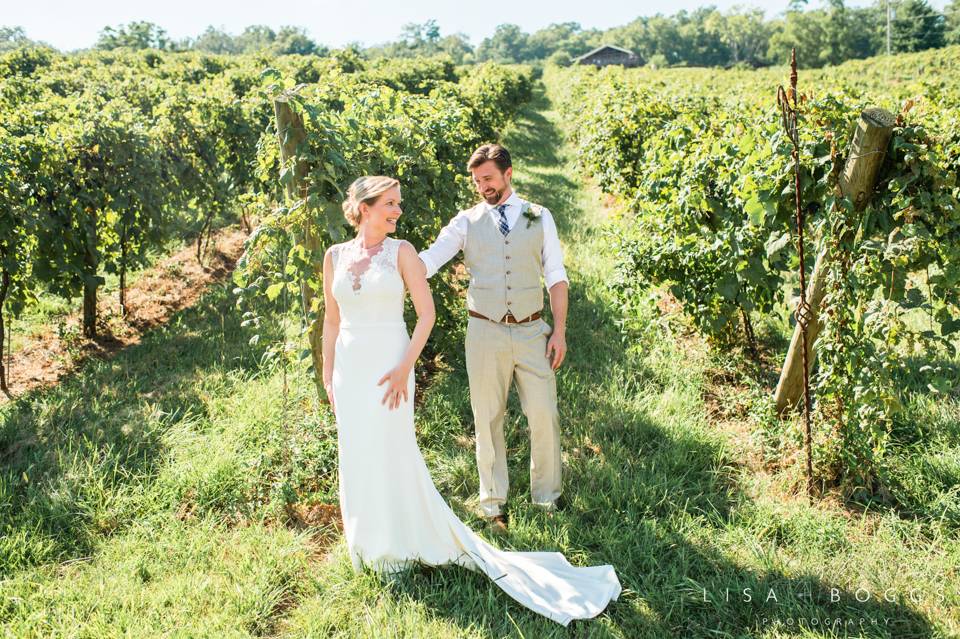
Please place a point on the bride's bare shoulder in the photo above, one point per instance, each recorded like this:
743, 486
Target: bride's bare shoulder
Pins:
334, 249
408, 260
405, 247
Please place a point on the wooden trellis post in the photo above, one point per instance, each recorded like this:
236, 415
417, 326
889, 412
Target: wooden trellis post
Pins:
290, 130
867, 150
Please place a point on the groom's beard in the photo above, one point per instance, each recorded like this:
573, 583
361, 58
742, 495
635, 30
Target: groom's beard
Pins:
493, 196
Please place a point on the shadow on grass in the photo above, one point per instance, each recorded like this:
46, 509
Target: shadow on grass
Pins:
534, 142
526, 135
70, 452
648, 493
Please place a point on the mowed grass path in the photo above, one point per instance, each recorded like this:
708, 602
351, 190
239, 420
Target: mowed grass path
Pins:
145, 497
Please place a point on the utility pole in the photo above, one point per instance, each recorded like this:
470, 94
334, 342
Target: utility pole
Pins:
888, 28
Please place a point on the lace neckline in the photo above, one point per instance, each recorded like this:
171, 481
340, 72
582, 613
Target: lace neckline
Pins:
356, 243
360, 261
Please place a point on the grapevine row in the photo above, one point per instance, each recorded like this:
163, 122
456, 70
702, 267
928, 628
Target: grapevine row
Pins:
702, 163
106, 154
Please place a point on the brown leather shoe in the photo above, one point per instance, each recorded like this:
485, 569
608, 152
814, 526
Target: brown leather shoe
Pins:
498, 524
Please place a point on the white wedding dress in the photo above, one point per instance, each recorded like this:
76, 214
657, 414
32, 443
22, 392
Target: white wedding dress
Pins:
393, 515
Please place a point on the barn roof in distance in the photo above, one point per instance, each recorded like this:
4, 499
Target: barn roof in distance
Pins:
601, 48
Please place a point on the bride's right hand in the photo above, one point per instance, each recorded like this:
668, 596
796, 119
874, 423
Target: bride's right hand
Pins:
396, 388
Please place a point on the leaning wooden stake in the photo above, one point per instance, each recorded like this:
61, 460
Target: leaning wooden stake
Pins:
867, 150
291, 133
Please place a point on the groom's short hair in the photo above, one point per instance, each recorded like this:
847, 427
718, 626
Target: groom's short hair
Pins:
490, 153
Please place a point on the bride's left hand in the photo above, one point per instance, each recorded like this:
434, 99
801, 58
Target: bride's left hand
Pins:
396, 388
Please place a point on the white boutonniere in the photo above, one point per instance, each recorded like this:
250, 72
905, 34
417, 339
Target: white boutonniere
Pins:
533, 214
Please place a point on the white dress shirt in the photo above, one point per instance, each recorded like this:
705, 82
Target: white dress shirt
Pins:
453, 239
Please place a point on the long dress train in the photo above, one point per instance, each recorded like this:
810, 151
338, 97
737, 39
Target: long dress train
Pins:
393, 515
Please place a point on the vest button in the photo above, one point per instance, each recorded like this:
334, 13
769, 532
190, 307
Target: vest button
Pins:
508, 272
508, 257
509, 303
509, 288
506, 241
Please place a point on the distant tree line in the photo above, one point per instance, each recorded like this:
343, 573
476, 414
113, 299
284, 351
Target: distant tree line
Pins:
14, 37
707, 37
827, 35
255, 39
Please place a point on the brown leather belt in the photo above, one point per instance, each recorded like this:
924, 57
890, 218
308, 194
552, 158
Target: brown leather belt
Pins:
509, 319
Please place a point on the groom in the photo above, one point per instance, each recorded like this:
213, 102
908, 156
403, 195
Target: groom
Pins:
508, 244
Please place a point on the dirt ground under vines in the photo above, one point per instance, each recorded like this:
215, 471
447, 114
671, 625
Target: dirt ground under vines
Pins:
58, 349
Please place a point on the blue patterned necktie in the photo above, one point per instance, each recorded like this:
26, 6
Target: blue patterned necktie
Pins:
503, 220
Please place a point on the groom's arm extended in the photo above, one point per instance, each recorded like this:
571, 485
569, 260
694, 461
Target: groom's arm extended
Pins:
450, 241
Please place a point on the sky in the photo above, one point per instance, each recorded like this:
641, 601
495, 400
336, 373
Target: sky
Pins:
71, 24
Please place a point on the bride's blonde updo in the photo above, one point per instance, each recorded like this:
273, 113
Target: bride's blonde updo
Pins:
365, 190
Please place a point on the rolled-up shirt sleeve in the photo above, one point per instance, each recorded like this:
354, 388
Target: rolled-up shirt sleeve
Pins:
451, 240
551, 254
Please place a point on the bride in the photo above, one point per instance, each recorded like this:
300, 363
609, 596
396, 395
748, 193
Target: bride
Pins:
393, 515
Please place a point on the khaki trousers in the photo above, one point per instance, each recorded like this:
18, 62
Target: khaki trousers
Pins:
498, 354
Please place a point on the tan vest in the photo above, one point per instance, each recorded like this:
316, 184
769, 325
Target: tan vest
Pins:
504, 272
